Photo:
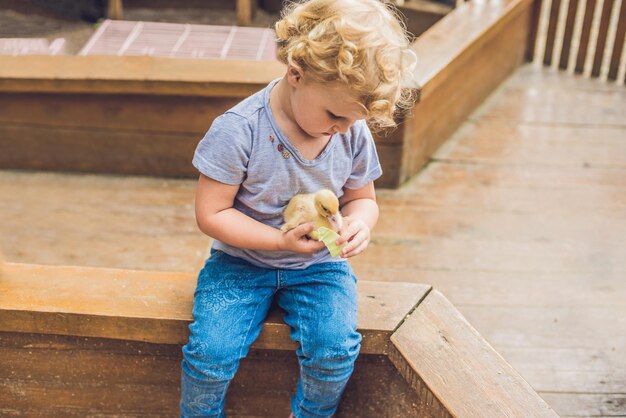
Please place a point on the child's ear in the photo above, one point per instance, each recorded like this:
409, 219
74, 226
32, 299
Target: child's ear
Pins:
294, 75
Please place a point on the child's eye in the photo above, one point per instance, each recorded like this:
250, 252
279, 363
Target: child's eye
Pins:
333, 116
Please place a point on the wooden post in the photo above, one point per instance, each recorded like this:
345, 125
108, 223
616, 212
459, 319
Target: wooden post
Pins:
114, 10
245, 12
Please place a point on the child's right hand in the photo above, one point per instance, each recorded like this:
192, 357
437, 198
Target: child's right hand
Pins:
295, 240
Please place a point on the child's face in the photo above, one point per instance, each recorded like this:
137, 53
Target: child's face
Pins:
322, 109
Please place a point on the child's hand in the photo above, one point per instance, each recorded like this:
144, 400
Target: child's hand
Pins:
295, 240
357, 235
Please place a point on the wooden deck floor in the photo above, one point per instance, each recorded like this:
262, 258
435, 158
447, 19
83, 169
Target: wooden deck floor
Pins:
520, 221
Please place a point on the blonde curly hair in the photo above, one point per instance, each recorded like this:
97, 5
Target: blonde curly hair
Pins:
359, 43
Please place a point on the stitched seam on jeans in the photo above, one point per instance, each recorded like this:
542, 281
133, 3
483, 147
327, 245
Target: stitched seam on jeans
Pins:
245, 338
299, 324
302, 375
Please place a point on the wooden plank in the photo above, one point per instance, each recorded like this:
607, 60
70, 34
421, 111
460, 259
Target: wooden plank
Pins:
487, 179
450, 356
548, 106
605, 18
460, 34
618, 45
588, 404
100, 221
568, 33
245, 12
568, 369
438, 253
537, 144
505, 188
533, 31
143, 153
541, 78
63, 376
390, 157
136, 75
449, 52
550, 327
572, 382
428, 404
59, 376
513, 288
114, 9
437, 116
520, 227
136, 113
156, 306
551, 34
584, 36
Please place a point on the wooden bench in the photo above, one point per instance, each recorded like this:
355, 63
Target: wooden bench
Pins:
77, 341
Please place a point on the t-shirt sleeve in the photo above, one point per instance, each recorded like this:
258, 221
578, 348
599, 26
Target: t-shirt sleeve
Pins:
365, 164
224, 151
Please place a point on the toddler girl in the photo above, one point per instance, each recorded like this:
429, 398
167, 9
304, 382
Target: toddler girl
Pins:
306, 131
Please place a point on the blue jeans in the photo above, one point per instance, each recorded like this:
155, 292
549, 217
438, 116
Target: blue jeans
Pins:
231, 301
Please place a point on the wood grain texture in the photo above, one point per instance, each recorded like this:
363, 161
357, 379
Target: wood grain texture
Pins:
136, 75
618, 46
531, 44
585, 34
568, 33
519, 221
551, 34
123, 134
66, 376
598, 54
115, 9
156, 306
245, 11
451, 71
120, 112
132, 223
461, 369
127, 99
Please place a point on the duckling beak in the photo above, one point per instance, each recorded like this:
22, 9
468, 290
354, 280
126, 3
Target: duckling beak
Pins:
336, 221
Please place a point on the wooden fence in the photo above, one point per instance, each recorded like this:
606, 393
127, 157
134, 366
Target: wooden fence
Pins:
580, 36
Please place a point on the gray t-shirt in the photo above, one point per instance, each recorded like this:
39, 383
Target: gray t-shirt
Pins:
245, 147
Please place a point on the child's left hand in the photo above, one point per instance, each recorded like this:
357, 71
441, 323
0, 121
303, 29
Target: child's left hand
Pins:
357, 235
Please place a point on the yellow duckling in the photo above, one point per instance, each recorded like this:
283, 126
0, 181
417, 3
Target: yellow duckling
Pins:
321, 208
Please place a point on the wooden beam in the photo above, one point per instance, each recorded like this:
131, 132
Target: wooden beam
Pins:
620, 35
533, 30
585, 35
156, 306
114, 9
598, 54
245, 12
439, 350
108, 321
551, 34
136, 75
461, 60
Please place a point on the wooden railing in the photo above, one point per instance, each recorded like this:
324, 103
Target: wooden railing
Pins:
581, 36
